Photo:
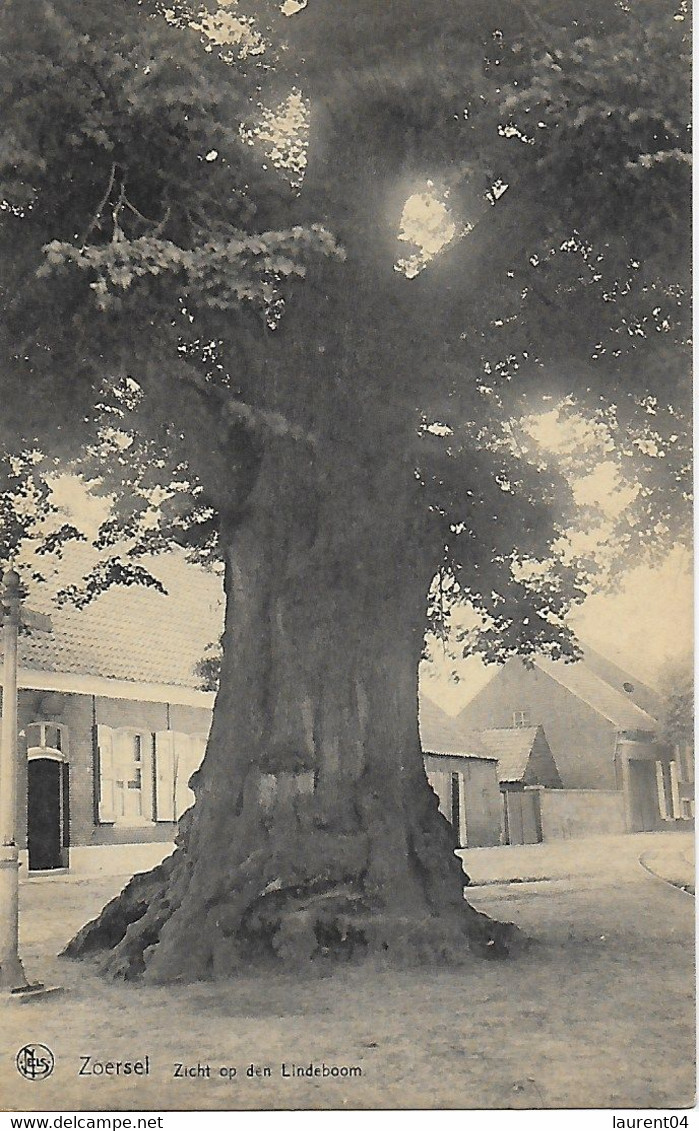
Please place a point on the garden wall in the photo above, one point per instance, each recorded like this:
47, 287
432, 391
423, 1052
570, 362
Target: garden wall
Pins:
569, 813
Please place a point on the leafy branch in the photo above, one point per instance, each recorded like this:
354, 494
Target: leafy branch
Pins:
219, 273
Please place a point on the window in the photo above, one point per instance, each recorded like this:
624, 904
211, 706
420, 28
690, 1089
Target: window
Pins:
142, 777
125, 776
128, 777
521, 719
46, 737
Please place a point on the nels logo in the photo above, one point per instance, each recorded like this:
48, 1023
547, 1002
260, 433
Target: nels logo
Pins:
35, 1062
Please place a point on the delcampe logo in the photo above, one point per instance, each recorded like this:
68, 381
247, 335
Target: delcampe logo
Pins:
35, 1062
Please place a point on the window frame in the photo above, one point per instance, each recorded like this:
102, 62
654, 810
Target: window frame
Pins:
521, 719
43, 749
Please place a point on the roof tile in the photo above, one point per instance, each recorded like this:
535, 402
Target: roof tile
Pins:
133, 633
512, 746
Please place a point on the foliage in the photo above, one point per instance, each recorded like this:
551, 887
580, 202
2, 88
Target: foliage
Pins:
208, 668
167, 292
676, 684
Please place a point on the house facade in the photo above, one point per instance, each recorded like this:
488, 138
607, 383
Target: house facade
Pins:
111, 721
112, 725
104, 772
603, 740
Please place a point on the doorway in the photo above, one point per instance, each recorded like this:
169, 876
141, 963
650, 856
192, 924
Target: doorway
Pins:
643, 790
522, 816
47, 814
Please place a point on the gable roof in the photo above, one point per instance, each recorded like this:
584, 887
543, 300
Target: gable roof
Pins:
523, 754
441, 734
512, 746
630, 686
140, 635
583, 679
137, 634
613, 705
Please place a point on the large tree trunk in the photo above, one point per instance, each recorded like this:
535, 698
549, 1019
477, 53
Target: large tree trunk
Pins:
315, 835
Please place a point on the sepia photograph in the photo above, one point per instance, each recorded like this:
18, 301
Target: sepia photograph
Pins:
346, 566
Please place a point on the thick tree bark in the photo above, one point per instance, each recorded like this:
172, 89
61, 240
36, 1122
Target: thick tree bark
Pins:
315, 835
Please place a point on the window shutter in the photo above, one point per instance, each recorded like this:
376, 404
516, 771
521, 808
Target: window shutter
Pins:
148, 777
189, 753
165, 776
106, 810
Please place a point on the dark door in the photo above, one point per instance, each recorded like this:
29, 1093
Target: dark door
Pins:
643, 786
44, 814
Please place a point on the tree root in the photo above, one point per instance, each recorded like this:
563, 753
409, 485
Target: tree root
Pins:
140, 933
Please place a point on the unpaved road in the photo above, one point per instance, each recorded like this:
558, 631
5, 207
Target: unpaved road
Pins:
598, 1013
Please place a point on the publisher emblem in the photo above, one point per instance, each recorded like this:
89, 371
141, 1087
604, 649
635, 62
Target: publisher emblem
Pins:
35, 1062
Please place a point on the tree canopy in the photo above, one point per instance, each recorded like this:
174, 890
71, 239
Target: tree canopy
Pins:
153, 254
212, 307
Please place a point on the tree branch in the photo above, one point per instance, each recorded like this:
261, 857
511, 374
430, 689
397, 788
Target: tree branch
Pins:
98, 213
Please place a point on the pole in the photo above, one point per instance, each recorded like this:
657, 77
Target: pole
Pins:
12, 975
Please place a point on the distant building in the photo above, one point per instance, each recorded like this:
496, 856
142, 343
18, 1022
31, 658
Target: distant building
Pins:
464, 775
113, 724
524, 761
484, 780
597, 722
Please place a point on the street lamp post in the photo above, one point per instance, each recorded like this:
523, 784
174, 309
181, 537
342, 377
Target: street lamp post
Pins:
12, 976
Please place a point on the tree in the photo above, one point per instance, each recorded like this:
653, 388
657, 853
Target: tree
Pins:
223, 337
676, 681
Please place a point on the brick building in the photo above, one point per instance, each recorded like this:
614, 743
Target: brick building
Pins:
111, 720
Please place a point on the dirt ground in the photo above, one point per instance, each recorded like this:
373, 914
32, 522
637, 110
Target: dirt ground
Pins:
599, 1012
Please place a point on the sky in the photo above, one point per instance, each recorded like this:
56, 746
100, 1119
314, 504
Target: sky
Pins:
648, 619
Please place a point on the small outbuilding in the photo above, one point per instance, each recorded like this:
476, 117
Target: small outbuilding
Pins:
524, 759
463, 774
524, 756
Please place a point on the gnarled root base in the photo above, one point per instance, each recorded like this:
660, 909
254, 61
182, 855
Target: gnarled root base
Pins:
308, 926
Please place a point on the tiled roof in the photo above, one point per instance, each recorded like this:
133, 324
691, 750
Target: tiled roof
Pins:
140, 635
593, 664
441, 734
134, 633
512, 746
630, 686
613, 705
